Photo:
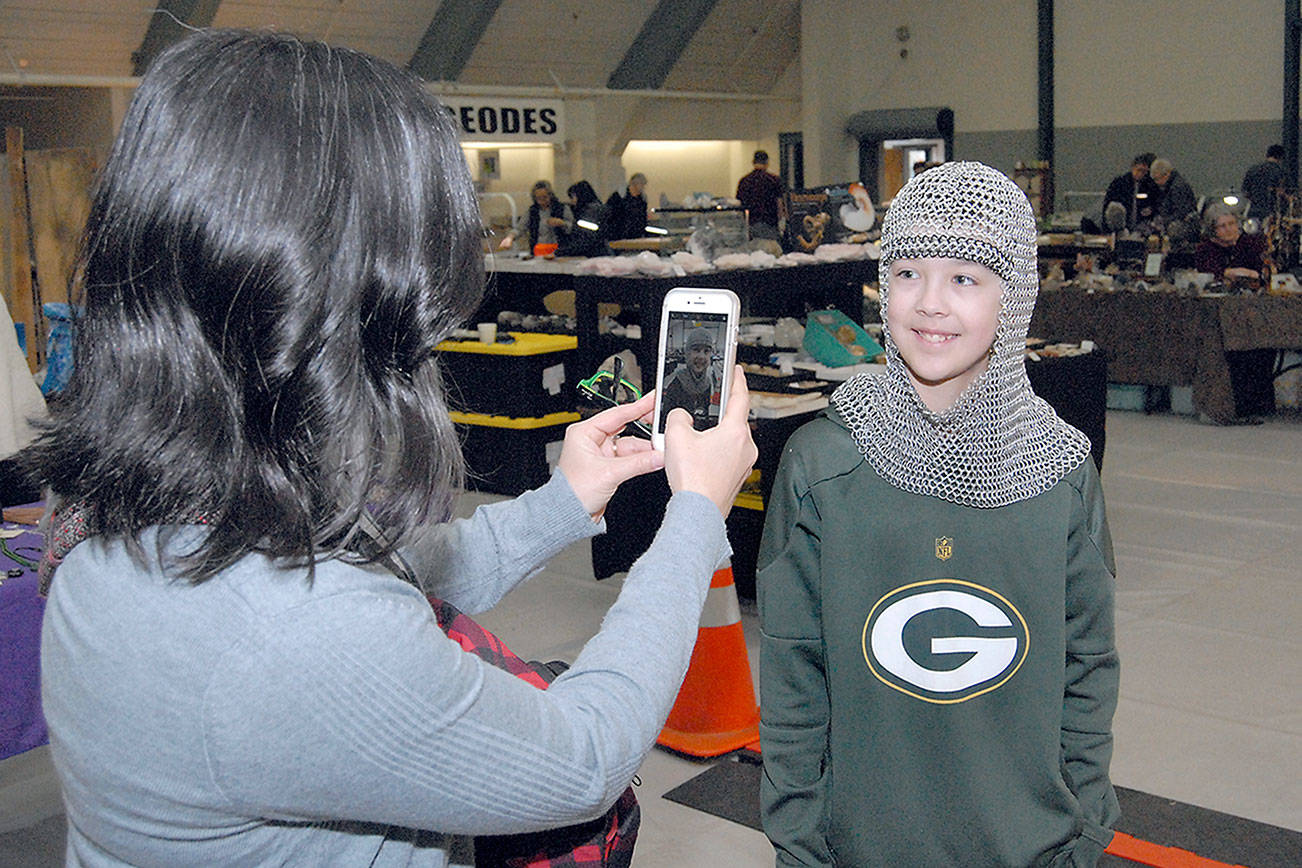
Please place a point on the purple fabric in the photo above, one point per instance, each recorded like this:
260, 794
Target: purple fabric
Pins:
22, 726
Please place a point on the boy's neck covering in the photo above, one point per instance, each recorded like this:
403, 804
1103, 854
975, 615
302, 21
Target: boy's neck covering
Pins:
999, 443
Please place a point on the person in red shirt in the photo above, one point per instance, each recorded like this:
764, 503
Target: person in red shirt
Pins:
762, 194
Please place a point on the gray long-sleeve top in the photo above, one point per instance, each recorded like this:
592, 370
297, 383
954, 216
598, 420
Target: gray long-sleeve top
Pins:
256, 719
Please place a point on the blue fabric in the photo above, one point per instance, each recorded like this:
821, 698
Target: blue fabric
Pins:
58, 348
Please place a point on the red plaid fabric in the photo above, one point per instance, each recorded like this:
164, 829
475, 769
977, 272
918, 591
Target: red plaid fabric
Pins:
467, 633
606, 842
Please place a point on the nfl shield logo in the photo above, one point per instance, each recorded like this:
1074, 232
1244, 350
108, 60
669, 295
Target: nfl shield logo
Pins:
944, 548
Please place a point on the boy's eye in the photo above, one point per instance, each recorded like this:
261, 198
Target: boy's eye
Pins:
905, 273
965, 279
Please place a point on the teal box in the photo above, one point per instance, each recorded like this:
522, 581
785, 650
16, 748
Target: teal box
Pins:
834, 339
1127, 396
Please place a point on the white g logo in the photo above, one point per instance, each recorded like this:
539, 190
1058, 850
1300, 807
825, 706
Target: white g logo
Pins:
992, 658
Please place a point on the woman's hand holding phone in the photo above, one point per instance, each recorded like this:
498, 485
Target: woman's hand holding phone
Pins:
715, 462
595, 462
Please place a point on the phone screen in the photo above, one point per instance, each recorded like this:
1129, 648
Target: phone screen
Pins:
693, 366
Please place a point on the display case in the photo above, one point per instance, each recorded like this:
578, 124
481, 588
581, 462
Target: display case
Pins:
729, 221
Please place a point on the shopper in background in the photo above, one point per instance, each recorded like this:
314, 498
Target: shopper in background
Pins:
938, 668
582, 197
1177, 206
1263, 183
548, 220
1136, 194
629, 209
592, 223
762, 194
254, 464
1227, 251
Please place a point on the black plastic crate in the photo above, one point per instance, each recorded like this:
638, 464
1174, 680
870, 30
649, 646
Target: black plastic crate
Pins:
532, 376
507, 454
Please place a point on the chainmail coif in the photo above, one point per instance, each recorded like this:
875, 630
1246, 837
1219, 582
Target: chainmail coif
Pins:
999, 443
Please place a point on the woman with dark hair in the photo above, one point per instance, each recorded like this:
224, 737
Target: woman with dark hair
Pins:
252, 469
582, 195
592, 223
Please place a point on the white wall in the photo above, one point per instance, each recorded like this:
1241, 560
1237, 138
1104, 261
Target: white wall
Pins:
678, 169
519, 166
967, 56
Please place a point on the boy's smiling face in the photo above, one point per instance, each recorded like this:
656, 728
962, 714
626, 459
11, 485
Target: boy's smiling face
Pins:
698, 357
942, 315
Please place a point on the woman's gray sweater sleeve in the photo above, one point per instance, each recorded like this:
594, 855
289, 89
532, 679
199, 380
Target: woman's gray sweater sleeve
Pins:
395, 724
473, 562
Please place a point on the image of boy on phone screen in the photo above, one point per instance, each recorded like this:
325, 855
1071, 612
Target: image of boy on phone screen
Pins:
694, 384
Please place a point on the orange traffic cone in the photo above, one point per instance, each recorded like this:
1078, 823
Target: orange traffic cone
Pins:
715, 711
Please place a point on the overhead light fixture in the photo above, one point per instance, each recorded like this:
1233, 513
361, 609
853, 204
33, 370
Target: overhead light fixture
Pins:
587, 224
656, 230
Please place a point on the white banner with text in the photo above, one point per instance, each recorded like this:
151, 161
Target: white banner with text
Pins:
489, 119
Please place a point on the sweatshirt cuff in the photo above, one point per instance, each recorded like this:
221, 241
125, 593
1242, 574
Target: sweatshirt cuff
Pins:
690, 515
556, 498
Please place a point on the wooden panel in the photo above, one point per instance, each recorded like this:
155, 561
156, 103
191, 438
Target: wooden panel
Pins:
892, 172
58, 187
6, 244
73, 37
23, 305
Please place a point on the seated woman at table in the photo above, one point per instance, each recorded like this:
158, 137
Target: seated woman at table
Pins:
255, 463
1227, 251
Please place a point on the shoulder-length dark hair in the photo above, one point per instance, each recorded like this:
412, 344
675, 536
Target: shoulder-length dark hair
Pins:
583, 195
282, 233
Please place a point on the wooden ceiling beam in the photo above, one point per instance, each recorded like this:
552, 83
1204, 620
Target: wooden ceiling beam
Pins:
171, 20
451, 37
662, 40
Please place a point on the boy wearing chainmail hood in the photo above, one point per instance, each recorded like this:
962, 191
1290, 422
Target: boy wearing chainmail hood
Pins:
938, 669
694, 385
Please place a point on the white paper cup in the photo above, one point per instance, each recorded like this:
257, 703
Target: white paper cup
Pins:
487, 332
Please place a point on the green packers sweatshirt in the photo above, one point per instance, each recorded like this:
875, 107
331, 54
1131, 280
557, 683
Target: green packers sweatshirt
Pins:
937, 681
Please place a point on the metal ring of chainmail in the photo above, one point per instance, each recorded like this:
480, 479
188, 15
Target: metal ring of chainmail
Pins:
1000, 443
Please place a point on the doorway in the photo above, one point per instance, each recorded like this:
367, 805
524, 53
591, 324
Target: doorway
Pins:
923, 129
904, 158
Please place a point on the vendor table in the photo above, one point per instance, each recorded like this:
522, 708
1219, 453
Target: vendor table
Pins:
22, 727
780, 291
1166, 339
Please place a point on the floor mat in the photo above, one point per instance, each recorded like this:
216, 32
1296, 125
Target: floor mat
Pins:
730, 790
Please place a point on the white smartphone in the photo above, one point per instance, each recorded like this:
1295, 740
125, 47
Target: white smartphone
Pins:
698, 348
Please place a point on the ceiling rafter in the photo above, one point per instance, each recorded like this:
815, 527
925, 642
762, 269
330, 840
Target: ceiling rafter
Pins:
171, 20
662, 40
451, 37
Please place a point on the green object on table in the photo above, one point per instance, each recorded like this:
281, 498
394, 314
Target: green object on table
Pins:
15, 557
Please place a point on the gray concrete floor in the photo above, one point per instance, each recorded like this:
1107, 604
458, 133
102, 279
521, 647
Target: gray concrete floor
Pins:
1207, 526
